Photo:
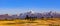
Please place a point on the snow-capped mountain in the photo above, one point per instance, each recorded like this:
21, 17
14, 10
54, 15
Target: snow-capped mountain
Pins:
31, 14
39, 15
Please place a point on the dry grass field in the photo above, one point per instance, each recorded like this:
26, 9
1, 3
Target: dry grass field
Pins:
31, 23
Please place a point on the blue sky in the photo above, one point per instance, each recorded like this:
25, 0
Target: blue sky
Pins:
20, 6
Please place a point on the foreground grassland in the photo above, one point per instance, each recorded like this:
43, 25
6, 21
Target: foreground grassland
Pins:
31, 23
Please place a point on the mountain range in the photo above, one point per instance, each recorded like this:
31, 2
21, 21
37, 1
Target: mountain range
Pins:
31, 14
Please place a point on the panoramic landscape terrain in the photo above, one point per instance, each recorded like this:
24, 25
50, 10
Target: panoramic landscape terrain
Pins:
29, 12
31, 19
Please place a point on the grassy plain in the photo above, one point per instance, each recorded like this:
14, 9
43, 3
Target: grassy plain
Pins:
38, 22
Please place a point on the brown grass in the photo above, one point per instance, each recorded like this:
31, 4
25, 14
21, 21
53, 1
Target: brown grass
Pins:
55, 22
